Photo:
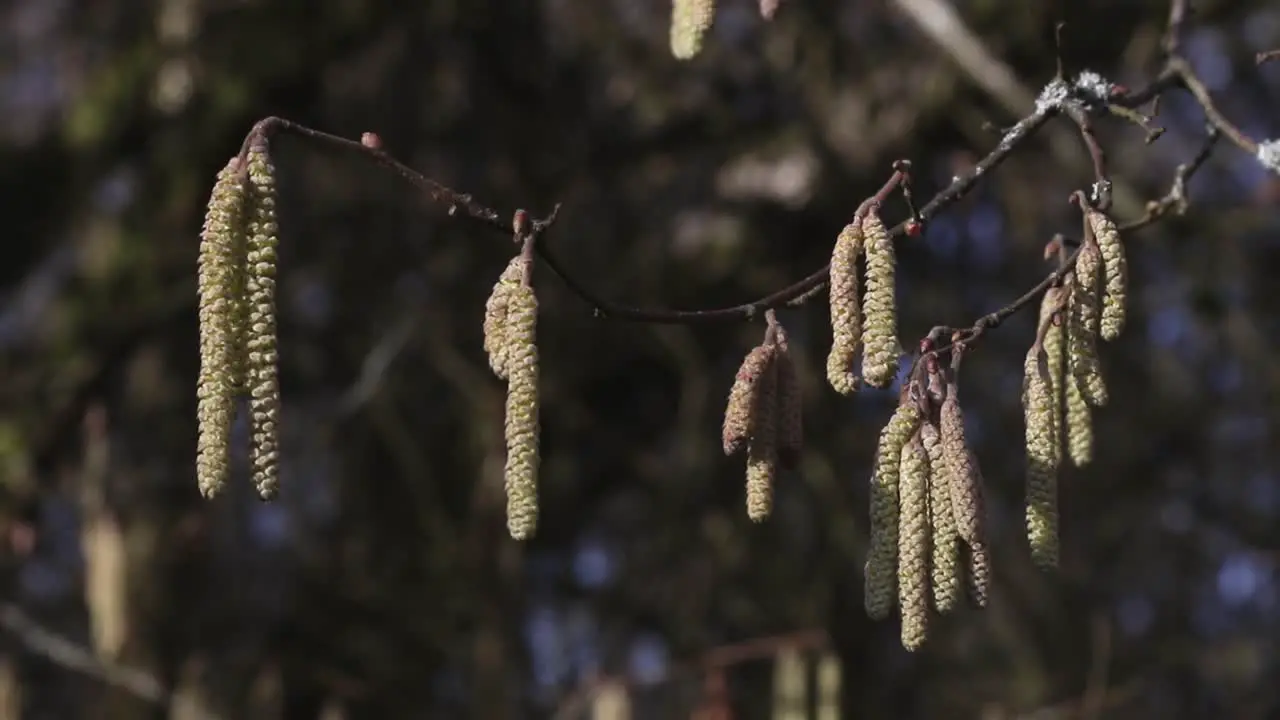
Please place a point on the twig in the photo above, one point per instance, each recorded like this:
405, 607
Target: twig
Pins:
70, 656
1173, 30
1266, 57
1197, 88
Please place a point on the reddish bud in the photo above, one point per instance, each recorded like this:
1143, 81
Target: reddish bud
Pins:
520, 222
914, 228
371, 140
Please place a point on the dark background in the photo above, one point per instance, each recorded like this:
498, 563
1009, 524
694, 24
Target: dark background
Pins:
383, 584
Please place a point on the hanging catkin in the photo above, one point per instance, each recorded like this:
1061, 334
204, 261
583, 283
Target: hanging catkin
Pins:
945, 570
1115, 269
790, 404
846, 312
964, 477
739, 413
762, 450
1042, 456
262, 369
690, 20
1079, 426
522, 423
1082, 339
880, 331
217, 269
913, 543
882, 553
495, 315
1055, 361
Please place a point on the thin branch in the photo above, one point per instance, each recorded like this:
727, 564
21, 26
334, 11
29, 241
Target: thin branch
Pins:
1196, 87
1173, 30
1266, 57
74, 657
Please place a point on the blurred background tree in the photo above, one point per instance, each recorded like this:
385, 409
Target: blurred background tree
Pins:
383, 585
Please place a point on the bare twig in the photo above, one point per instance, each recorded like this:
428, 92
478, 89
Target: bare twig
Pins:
74, 657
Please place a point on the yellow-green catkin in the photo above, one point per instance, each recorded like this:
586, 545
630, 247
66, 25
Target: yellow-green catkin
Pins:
522, 422
979, 576
740, 411
964, 477
1115, 273
1042, 471
690, 21
790, 405
217, 268
945, 569
762, 450
1082, 340
846, 311
1079, 426
262, 369
1054, 340
882, 554
880, 329
913, 543
495, 315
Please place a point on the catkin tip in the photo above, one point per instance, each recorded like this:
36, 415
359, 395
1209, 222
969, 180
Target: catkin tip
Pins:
690, 21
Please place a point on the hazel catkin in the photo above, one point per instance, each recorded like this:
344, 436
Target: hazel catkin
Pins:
1082, 332
880, 329
944, 565
1042, 478
522, 413
495, 315
846, 310
1115, 272
262, 368
217, 268
913, 543
690, 20
762, 449
1079, 419
882, 553
964, 477
740, 412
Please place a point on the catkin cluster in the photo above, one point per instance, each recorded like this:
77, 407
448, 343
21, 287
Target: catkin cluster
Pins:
926, 517
510, 340
868, 324
236, 277
1062, 375
763, 417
